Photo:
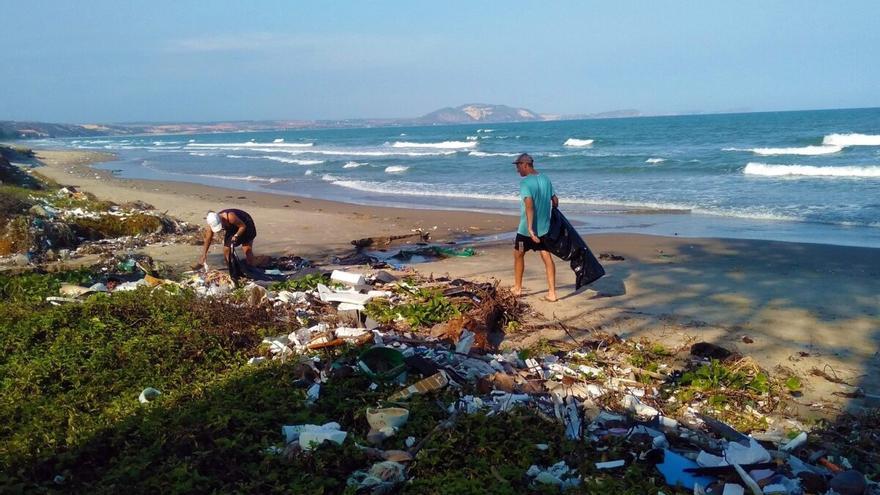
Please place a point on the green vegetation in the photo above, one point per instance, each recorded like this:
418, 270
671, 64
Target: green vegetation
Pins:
425, 307
305, 283
72, 375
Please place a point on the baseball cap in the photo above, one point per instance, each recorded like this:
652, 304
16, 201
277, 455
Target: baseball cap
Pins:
524, 158
213, 220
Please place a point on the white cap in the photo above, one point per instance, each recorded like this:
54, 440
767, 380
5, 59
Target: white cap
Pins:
214, 222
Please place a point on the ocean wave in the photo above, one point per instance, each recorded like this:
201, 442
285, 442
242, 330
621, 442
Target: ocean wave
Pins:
769, 170
353, 165
485, 130
472, 138
293, 161
805, 150
482, 154
308, 172
851, 140
336, 152
396, 169
441, 145
196, 153
329, 178
655, 160
248, 178
278, 140
249, 144
578, 143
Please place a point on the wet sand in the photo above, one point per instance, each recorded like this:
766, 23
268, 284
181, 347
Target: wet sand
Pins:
803, 306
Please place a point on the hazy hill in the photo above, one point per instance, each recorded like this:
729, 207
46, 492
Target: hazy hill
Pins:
463, 114
479, 112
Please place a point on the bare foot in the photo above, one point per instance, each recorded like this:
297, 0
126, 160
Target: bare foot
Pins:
517, 291
551, 298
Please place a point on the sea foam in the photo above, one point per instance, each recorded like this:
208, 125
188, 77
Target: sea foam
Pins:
441, 145
353, 165
804, 151
250, 144
769, 170
578, 143
655, 160
293, 160
482, 154
851, 140
396, 169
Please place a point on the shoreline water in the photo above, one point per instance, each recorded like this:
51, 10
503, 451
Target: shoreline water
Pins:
799, 177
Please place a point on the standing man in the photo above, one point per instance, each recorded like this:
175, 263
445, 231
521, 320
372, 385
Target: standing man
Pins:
538, 201
240, 231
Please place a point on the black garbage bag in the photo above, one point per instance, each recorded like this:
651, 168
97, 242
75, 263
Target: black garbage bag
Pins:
235, 267
563, 241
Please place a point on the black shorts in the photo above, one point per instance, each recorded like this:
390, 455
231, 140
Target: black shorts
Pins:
248, 238
525, 243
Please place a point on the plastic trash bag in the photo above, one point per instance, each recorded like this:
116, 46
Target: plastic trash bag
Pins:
563, 241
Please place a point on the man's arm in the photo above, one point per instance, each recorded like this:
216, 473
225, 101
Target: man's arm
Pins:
554, 201
530, 217
209, 237
234, 220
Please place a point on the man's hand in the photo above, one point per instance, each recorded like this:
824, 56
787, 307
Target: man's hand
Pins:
534, 236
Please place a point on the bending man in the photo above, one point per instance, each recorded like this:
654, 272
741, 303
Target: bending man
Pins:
538, 201
240, 231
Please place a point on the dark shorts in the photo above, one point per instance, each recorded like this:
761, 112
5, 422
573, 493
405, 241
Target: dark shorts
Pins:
247, 238
525, 243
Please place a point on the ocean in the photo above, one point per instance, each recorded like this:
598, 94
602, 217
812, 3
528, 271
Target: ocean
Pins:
807, 176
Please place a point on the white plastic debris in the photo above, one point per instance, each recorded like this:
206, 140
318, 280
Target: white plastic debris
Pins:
274, 271
610, 464
733, 489
736, 453
349, 332
410, 441
795, 442
292, 297
313, 393
99, 287
752, 484
256, 360
350, 307
355, 279
328, 295
465, 342
632, 404
148, 394
310, 436
130, 285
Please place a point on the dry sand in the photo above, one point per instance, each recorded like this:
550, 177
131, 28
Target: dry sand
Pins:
803, 306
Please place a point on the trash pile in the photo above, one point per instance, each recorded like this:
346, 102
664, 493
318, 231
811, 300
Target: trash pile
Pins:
603, 392
681, 412
68, 223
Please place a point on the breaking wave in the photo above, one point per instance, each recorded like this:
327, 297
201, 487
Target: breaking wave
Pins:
851, 140
396, 169
249, 144
293, 160
578, 143
805, 150
441, 145
769, 170
655, 160
353, 165
248, 178
482, 154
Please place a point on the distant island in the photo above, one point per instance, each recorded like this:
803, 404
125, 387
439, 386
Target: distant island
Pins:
470, 113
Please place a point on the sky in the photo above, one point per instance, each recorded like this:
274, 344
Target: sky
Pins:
184, 61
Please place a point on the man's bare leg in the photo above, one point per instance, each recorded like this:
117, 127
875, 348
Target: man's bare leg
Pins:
248, 254
227, 253
519, 265
550, 268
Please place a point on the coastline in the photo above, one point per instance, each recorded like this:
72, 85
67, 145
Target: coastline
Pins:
804, 305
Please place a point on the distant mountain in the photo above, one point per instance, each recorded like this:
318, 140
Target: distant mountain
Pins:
470, 113
479, 112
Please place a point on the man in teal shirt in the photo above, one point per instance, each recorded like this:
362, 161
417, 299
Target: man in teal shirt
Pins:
538, 200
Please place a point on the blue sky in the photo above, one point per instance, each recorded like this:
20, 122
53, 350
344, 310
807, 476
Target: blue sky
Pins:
111, 61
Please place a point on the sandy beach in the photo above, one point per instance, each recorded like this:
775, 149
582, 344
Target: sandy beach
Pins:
798, 306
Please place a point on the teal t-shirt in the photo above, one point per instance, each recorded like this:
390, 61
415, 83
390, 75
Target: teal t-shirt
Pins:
539, 188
